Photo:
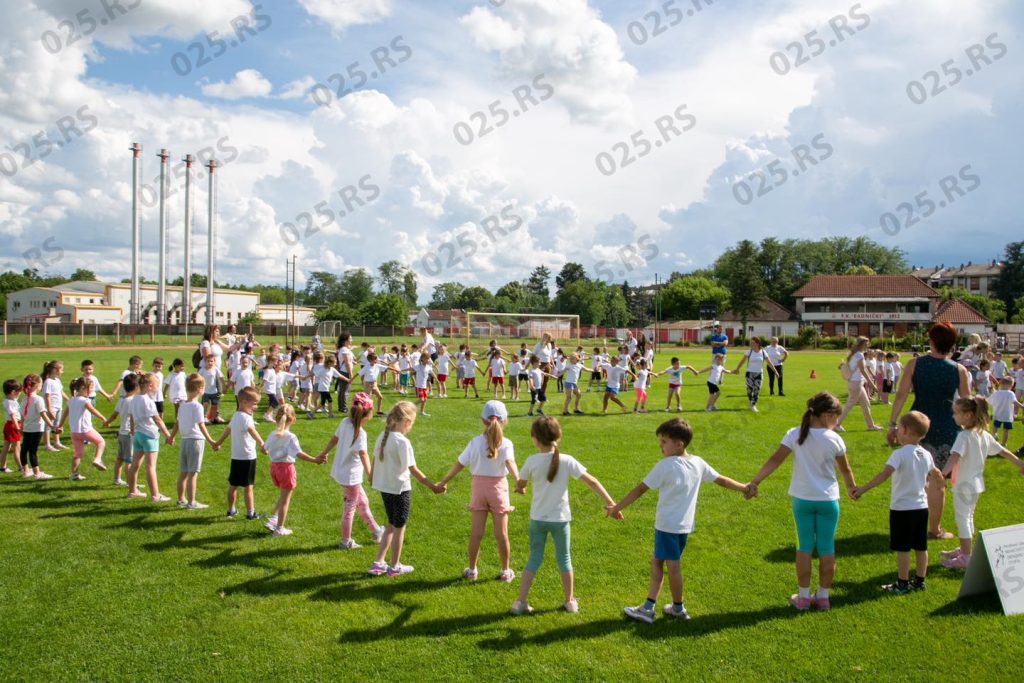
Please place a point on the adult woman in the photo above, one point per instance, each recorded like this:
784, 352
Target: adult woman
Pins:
429, 346
213, 345
346, 363
755, 359
544, 350
935, 380
859, 376
777, 355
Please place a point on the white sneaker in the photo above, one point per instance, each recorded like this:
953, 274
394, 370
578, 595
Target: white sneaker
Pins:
281, 531
350, 544
520, 608
670, 611
120, 482
77, 477
753, 408
640, 614
270, 524
572, 607
43, 476
182, 503
378, 534
197, 506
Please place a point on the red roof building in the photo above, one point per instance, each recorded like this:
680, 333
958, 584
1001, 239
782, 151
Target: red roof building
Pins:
868, 305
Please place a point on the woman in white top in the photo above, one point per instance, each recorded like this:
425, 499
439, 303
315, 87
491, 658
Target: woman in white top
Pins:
777, 355
490, 458
346, 361
857, 376
755, 359
544, 350
213, 345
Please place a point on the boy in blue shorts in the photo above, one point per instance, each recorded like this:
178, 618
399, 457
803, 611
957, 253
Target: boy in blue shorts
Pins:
677, 477
614, 374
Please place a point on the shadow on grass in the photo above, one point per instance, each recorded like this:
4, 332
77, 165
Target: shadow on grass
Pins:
850, 546
987, 603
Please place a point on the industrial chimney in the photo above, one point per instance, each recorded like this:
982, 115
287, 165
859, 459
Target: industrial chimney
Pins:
186, 285
212, 241
161, 291
133, 307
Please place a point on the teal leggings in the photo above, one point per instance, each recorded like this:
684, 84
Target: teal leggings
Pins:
538, 539
816, 524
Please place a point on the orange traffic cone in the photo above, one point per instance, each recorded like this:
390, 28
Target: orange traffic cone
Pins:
814, 375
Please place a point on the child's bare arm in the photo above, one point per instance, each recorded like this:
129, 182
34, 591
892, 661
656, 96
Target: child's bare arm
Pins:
424, 479
330, 445
951, 463
731, 484
319, 460
510, 465
452, 473
771, 465
158, 421
597, 488
879, 479
206, 435
628, 499
844, 468
259, 439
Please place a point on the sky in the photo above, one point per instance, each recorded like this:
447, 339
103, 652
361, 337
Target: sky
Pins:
474, 141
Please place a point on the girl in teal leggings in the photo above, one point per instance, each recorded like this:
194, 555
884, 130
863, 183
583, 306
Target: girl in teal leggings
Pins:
817, 452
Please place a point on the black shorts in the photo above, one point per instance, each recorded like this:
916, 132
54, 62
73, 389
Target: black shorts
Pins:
272, 401
243, 473
538, 396
595, 375
713, 388
325, 397
159, 408
908, 530
397, 507
523, 377
886, 386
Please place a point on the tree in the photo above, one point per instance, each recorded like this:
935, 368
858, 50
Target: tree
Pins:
1018, 317
355, 287
585, 299
447, 295
340, 311
681, 298
250, 318
537, 283
475, 299
384, 309
83, 274
273, 296
513, 291
392, 275
571, 272
1010, 285
616, 309
860, 270
322, 288
993, 309
409, 288
743, 279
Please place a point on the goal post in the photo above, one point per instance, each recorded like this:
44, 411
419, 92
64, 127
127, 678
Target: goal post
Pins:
522, 326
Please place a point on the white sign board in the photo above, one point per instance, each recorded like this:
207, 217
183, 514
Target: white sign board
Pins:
998, 563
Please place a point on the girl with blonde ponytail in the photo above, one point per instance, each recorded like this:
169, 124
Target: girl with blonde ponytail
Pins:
490, 458
550, 471
393, 462
817, 452
284, 448
350, 463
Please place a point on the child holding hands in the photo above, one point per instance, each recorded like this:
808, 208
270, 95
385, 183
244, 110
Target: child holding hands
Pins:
350, 463
191, 425
283, 448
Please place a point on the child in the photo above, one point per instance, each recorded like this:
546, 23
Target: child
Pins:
242, 379
514, 369
244, 438
350, 463
89, 372
675, 382
469, 367
983, 380
191, 425
306, 378
158, 387
550, 470
999, 369
53, 397
535, 382
130, 386
614, 376
134, 368
817, 452
147, 428
177, 392
35, 418
910, 468
404, 365
497, 367
1004, 405
596, 361
370, 374
716, 371
490, 458
1018, 379
424, 371
284, 448
640, 386
270, 386
559, 370
213, 381
677, 477
967, 460
573, 371
12, 425
444, 359
324, 374
393, 462
888, 376
79, 417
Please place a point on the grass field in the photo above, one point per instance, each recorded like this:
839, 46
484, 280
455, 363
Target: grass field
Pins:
98, 587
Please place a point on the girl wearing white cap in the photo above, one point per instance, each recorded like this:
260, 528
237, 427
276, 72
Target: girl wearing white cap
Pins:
490, 458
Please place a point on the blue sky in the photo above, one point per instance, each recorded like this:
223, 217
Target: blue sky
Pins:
605, 156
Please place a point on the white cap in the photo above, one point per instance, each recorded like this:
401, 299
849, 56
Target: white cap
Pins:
494, 409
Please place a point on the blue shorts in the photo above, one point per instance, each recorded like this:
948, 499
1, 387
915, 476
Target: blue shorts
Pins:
143, 444
571, 386
999, 424
614, 391
816, 524
668, 546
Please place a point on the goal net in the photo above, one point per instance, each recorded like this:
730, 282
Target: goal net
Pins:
522, 326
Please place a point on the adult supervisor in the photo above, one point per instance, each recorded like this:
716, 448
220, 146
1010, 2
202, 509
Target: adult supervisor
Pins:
719, 341
936, 380
777, 355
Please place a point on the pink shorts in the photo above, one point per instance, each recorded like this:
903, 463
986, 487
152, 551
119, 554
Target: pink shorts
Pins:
283, 475
673, 387
79, 440
442, 378
490, 494
641, 395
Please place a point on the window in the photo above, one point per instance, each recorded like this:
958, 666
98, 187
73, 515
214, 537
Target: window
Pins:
975, 283
776, 330
853, 330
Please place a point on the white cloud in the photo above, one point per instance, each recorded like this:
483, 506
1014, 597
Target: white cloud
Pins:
297, 89
246, 83
340, 14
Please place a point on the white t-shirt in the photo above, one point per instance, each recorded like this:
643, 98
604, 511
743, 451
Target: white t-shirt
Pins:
675, 375
158, 386
854, 364
190, 416
974, 446
324, 375
176, 392
912, 465
423, 373
95, 387
391, 474
999, 369
414, 359
536, 376
774, 353
270, 382
641, 379
469, 368
206, 348
1001, 403
305, 373
210, 377
543, 352
283, 447
347, 469
142, 410
814, 463
33, 414
79, 417
370, 373
514, 368
442, 363
12, 410
497, 367
124, 374
243, 378
755, 362
631, 345
889, 371
716, 374
573, 372
677, 480
243, 445
429, 345
474, 458
53, 390
551, 498
125, 427
346, 353
615, 374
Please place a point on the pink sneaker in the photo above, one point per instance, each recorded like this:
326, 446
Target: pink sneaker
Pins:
821, 604
950, 554
378, 569
802, 604
959, 562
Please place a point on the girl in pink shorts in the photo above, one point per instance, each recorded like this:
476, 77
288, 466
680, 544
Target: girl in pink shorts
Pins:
79, 414
490, 458
283, 448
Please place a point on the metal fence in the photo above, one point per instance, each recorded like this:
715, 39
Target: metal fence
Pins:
114, 334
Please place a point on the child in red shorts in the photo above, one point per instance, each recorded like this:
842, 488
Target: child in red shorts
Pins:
12, 425
284, 448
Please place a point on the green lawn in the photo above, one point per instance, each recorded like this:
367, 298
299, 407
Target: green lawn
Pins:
98, 587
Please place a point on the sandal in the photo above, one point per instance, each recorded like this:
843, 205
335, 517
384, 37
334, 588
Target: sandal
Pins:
941, 535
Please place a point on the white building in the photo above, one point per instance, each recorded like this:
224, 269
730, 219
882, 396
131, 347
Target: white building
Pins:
773, 320
105, 302
283, 313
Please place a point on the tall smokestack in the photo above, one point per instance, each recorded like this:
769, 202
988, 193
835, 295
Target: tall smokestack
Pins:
133, 307
186, 285
212, 241
161, 290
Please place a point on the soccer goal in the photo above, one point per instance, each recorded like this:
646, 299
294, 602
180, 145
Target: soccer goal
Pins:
522, 326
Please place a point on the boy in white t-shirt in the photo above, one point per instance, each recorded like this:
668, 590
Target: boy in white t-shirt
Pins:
615, 375
157, 394
12, 425
999, 368
244, 438
677, 477
469, 367
497, 368
910, 468
1004, 406
175, 385
243, 378
191, 425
